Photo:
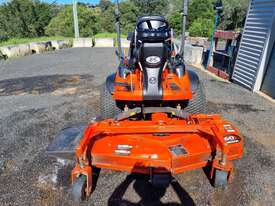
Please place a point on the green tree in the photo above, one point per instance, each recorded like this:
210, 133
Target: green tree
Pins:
62, 24
129, 14
175, 21
104, 5
235, 13
203, 9
201, 17
25, 18
151, 7
107, 20
201, 27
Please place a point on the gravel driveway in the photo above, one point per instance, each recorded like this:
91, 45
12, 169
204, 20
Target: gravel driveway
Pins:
40, 94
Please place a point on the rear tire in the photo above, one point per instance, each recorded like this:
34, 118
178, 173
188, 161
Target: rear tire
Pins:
108, 107
197, 105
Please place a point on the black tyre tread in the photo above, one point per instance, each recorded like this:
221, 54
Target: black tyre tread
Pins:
108, 107
78, 189
220, 179
197, 105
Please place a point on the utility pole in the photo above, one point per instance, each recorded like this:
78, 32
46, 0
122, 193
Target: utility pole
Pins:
118, 29
184, 17
76, 28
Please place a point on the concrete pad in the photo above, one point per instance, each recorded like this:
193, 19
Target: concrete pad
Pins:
104, 42
83, 42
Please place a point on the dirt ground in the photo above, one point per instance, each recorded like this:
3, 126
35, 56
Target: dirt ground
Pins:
41, 94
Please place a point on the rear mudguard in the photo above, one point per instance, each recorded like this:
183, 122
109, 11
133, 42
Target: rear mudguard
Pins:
110, 83
193, 77
194, 80
65, 143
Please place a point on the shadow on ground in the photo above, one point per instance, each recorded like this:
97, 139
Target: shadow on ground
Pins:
42, 84
243, 108
147, 193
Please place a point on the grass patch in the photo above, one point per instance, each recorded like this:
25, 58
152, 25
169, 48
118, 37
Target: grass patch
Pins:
109, 35
15, 41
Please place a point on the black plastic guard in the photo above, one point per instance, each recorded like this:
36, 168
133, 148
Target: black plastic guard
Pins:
65, 143
110, 83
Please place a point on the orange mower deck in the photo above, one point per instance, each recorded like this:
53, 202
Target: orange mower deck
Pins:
161, 145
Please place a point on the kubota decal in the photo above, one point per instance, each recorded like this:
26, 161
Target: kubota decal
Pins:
232, 139
123, 149
153, 59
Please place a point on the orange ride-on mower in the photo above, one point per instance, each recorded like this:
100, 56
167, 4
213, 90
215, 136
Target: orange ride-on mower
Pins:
153, 118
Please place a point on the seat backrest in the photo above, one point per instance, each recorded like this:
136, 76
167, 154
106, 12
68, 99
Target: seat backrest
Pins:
153, 57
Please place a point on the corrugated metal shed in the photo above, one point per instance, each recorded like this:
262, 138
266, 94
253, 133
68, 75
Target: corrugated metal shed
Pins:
249, 67
269, 80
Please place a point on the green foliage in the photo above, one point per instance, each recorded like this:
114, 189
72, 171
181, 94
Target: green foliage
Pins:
201, 28
235, 13
203, 9
62, 24
108, 35
14, 41
104, 5
34, 18
151, 7
201, 18
107, 20
24, 18
129, 14
3, 38
175, 21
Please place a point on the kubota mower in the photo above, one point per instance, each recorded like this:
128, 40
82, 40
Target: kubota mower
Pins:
153, 118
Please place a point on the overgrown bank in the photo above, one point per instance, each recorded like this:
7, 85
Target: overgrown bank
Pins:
35, 18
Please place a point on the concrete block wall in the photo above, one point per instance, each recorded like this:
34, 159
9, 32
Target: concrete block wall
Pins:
125, 43
39, 47
104, 42
34, 47
193, 54
60, 44
16, 51
83, 42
